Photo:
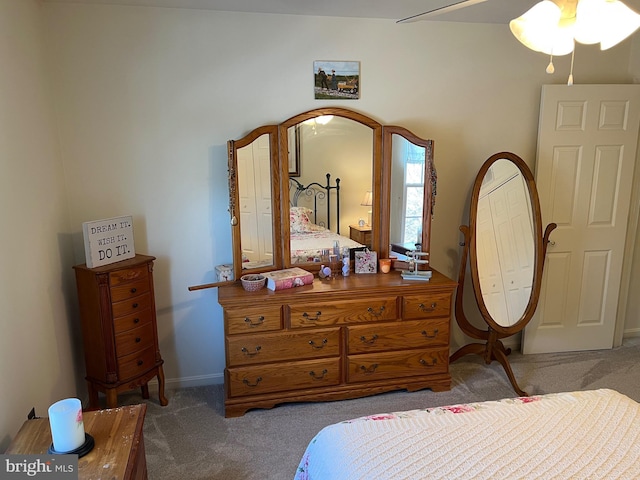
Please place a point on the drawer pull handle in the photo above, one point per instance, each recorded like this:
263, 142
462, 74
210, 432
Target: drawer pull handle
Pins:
251, 354
318, 377
374, 313
370, 370
423, 308
134, 290
256, 324
435, 333
318, 346
313, 319
371, 341
138, 339
249, 384
434, 362
140, 362
136, 320
135, 305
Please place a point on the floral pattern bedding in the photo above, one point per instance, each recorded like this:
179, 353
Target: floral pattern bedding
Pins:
308, 239
576, 435
307, 247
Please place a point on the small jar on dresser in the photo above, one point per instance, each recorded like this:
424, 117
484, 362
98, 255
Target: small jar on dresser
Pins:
119, 330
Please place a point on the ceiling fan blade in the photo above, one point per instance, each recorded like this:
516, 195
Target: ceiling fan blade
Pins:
440, 10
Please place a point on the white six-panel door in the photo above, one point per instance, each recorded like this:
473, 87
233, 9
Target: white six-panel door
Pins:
587, 143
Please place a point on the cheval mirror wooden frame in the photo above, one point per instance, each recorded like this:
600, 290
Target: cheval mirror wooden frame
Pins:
493, 348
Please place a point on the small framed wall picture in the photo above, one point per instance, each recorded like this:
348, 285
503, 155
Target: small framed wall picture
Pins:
336, 80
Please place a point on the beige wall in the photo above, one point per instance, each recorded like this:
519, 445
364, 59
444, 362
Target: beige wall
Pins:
145, 100
38, 339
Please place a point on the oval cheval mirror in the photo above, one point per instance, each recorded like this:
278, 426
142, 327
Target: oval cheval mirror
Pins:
506, 249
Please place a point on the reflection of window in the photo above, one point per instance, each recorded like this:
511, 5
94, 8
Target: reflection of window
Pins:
413, 193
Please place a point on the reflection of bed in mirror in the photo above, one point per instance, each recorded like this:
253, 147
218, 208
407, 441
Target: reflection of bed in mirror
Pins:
314, 216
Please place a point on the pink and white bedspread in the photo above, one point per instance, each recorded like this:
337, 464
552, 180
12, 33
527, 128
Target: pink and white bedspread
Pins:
577, 435
308, 246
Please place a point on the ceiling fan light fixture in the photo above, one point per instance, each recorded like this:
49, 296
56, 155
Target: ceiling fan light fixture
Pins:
553, 27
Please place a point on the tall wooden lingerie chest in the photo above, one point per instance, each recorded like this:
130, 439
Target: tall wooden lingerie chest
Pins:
118, 314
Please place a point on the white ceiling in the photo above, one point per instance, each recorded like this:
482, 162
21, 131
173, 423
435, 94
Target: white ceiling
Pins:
488, 11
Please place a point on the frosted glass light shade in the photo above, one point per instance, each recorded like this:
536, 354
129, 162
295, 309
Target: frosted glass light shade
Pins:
589, 17
618, 23
541, 29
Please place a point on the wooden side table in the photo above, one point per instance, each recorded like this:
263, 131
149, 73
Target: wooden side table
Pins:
360, 234
119, 443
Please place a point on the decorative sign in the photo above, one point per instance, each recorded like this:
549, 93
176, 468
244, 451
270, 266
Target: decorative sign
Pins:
108, 241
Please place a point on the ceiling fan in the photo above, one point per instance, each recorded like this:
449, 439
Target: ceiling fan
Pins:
440, 10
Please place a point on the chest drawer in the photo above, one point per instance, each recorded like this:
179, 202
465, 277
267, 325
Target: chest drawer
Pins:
253, 319
427, 306
280, 377
136, 364
128, 290
124, 276
398, 335
133, 320
131, 305
271, 347
134, 340
341, 313
387, 365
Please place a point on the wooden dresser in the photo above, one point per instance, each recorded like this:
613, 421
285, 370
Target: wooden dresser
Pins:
341, 338
117, 309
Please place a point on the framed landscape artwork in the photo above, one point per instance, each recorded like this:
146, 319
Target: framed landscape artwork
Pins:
336, 80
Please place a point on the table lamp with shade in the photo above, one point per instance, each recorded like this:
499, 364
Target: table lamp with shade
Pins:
367, 201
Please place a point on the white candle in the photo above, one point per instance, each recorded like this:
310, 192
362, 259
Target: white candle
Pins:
67, 427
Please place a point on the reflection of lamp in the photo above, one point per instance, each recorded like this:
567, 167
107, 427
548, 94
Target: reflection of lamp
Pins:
367, 201
553, 26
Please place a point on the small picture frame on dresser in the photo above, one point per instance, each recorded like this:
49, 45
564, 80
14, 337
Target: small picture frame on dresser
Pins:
366, 262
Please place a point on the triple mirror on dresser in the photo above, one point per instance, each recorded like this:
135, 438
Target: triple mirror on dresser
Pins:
326, 178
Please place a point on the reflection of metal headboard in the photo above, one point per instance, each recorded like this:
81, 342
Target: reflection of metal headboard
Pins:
317, 192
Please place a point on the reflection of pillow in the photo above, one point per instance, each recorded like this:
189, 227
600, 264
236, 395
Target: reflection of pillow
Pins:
299, 220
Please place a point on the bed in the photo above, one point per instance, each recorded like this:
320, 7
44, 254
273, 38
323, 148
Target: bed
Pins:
311, 228
591, 435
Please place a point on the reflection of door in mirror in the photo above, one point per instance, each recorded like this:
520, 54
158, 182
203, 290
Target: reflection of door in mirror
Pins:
407, 192
254, 191
342, 148
505, 243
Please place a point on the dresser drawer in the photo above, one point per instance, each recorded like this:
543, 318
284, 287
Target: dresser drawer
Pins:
131, 366
123, 276
134, 340
271, 347
341, 313
426, 306
128, 290
133, 320
398, 335
132, 305
389, 365
253, 319
278, 377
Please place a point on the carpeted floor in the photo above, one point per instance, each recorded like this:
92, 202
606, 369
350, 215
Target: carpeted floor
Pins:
191, 439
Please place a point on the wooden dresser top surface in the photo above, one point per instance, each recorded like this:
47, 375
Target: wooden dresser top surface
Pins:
339, 288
